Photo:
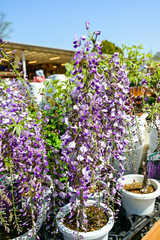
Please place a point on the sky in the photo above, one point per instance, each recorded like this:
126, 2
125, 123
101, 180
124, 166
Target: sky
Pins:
54, 23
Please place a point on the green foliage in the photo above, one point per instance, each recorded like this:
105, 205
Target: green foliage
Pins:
155, 75
136, 63
55, 127
110, 48
69, 67
156, 56
57, 97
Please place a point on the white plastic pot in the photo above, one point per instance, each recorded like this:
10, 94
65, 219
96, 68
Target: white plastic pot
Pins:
138, 204
153, 138
29, 235
133, 156
132, 160
60, 77
35, 91
68, 234
41, 217
138, 126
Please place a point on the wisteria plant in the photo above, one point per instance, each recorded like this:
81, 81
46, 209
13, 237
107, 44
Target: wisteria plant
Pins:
97, 124
30, 146
143, 74
23, 159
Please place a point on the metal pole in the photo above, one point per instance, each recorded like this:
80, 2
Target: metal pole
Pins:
24, 65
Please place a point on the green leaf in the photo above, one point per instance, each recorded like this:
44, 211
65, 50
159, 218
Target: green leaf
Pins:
18, 129
69, 67
50, 90
55, 81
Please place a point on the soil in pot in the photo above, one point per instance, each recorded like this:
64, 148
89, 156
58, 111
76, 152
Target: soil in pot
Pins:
136, 187
95, 187
97, 218
4, 235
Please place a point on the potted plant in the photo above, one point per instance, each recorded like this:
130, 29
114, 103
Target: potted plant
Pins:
23, 162
97, 121
133, 200
143, 203
139, 192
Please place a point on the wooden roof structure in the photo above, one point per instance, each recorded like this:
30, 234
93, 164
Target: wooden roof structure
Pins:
39, 53
32, 54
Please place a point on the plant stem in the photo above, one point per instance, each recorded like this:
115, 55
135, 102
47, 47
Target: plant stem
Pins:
144, 168
82, 223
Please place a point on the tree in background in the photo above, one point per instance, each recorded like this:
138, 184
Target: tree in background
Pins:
5, 27
156, 56
110, 48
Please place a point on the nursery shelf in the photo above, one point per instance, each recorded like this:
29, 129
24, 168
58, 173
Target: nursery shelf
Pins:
138, 226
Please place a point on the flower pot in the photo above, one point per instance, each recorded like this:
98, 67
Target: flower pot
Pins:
137, 128
133, 162
5, 181
68, 234
138, 204
133, 156
60, 77
29, 235
153, 138
137, 94
34, 90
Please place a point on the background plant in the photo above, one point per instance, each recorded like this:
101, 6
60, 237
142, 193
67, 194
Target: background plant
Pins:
152, 100
136, 63
56, 98
5, 27
110, 48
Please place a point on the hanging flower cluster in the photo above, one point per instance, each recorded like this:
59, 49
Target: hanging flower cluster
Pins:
97, 122
22, 150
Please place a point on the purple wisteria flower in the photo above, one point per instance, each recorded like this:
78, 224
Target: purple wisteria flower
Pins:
98, 32
98, 118
22, 148
47, 107
87, 25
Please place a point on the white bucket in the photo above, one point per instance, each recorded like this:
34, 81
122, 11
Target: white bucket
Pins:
153, 139
35, 89
29, 235
132, 160
137, 128
101, 234
138, 204
60, 77
40, 218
